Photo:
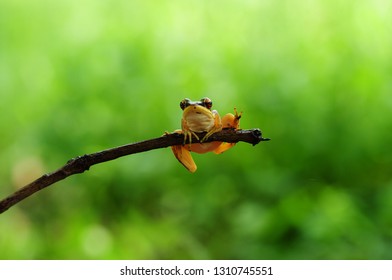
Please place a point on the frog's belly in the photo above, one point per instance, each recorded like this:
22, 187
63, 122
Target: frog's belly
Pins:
204, 147
200, 122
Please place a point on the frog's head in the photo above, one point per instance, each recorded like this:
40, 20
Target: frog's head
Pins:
204, 102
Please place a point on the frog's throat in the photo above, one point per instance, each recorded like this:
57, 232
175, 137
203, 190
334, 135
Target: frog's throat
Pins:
198, 120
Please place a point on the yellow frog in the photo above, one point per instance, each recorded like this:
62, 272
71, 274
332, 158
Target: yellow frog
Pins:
197, 117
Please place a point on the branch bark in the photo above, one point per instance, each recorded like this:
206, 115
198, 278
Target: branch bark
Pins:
83, 163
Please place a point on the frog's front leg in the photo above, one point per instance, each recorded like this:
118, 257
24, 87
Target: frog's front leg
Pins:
187, 132
217, 126
229, 121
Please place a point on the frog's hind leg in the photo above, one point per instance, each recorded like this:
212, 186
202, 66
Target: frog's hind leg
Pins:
232, 121
223, 147
229, 121
184, 157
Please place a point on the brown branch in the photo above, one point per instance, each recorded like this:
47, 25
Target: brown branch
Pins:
83, 163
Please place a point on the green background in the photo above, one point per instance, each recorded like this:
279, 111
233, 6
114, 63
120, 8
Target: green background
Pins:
78, 77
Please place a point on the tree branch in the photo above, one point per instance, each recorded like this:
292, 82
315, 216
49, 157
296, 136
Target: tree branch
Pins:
83, 163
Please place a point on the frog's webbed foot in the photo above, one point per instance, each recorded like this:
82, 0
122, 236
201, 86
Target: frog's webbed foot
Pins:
237, 116
188, 136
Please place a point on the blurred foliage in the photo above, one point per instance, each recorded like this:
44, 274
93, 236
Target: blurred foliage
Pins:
77, 77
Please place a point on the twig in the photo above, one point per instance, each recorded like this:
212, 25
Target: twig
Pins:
83, 163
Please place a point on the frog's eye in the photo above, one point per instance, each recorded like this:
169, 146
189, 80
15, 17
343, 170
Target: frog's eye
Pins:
185, 103
206, 102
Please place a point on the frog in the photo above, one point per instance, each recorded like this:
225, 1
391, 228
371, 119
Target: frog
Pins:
198, 117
